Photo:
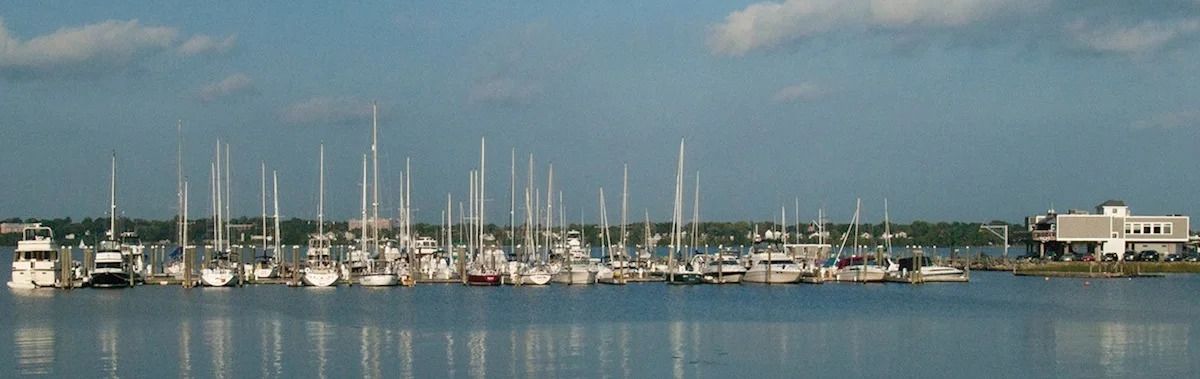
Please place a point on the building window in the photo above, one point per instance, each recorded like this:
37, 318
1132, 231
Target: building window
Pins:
1146, 229
1166, 228
1157, 229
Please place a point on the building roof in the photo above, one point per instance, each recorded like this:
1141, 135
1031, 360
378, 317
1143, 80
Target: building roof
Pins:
1113, 203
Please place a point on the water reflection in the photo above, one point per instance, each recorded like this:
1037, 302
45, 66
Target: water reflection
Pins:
320, 332
108, 349
406, 353
369, 345
477, 344
450, 354
271, 346
217, 337
35, 350
185, 351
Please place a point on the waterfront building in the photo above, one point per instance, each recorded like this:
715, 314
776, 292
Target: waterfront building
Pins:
1111, 229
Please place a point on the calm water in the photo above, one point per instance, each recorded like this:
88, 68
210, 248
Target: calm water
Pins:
996, 326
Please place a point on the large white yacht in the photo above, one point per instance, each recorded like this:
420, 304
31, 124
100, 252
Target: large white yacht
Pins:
35, 260
859, 269
929, 272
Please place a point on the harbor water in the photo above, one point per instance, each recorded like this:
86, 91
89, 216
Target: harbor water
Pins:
998, 325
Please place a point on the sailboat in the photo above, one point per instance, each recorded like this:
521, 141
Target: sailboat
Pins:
379, 272
320, 270
681, 272
266, 266
857, 268
221, 269
114, 264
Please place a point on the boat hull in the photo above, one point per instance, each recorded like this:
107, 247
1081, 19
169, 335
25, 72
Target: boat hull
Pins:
320, 278
539, 279
217, 277
864, 276
684, 278
575, 277
21, 284
266, 273
773, 277
483, 279
110, 279
378, 280
724, 277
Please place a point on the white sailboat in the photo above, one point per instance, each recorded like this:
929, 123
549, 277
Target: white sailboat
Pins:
220, 270
379, 272
320, 269
267, 265
858, 268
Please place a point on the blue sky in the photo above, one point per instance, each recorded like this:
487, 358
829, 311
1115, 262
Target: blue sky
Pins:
952, 109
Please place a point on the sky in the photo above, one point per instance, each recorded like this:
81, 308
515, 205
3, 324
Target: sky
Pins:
967, 110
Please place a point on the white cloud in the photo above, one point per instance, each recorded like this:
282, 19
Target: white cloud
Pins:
202, 44
1172, 120
1099, 27
1148, 36
504, 90
798, 93
232, 85
94, 48
327, 110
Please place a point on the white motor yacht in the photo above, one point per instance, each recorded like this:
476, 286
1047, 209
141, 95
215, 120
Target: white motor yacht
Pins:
35, 260
722, 268
772, 268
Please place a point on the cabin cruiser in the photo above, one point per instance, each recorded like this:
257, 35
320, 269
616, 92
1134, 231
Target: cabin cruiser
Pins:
772, 267
113, 265
721, 268
535, 274
928, 271
35, 260
320, 270
577, 272
380, 274
859, 269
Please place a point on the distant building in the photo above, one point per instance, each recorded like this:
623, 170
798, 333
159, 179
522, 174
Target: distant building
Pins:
383, 223
1112, 229
15, 227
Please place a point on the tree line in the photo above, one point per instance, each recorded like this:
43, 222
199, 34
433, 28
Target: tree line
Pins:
296, 231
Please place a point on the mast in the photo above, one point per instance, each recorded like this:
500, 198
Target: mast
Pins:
676, 214
512, 202
550, 211
887, 227
263, 176
696, 213
179, 181
482, 197
321, 194
624, 209
374, 178
363, 218
112, 198
275, 198
228, 233
605, 241
217, 229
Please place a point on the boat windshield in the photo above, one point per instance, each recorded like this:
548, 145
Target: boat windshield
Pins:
109, 245
38, 234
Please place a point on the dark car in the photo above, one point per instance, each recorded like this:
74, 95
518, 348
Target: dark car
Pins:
1191, 257
1173, 258
1131, 256
1109, 257
1148, 256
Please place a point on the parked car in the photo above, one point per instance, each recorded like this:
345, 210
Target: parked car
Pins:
1089, 258
1131, 256
1109, 257
1173, 258
1191, 257
1148, 256
1067, 258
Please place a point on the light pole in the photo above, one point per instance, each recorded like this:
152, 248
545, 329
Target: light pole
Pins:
994, 230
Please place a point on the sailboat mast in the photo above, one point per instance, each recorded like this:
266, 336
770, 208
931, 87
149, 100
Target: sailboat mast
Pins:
275, 199
321, 193
624, 209
228, 233
887, 227
179, 180
550, 206
217, 191
112, 198
482, 192
375, 177
677, 214
696, 213
263, 177
512, 201
363, 215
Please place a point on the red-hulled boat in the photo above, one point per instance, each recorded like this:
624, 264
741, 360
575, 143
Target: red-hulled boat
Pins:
483, 278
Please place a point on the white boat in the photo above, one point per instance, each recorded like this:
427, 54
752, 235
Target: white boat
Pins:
35, 260
537, 275
928, 271
772, 268
859, 270
320, 269
576, 273
379, 274
220, 271
117, 262
722, 269
266, 267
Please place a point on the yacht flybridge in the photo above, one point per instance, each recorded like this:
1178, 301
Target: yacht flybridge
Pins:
35, 260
